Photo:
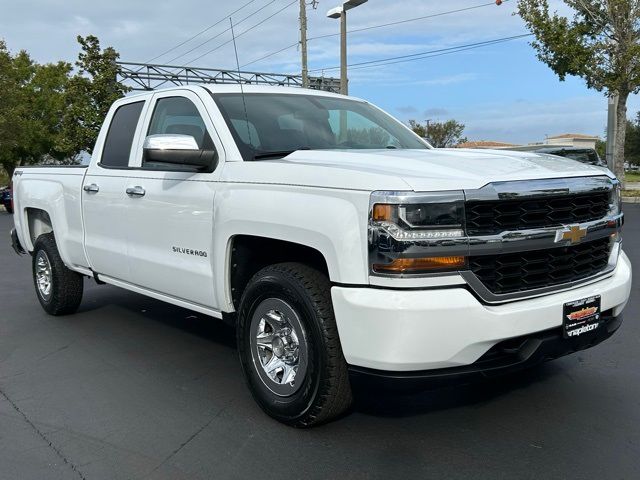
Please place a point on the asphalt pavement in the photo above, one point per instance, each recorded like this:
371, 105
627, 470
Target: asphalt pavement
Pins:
132, 388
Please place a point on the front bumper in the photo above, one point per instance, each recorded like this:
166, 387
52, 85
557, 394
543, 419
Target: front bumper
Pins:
416, 330
504, 357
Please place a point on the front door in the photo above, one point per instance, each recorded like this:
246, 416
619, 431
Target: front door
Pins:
170, 210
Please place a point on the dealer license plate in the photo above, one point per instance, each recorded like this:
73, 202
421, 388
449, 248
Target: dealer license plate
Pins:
581, 316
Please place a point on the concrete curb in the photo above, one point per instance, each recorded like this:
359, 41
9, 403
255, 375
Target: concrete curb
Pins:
631, 199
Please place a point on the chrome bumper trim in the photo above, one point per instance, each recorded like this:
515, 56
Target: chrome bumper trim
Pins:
541, 238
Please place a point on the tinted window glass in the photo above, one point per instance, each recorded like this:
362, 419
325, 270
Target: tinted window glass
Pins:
586, 155
178, 115
117, 145
275, 124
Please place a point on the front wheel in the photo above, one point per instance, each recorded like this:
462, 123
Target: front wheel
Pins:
289, 346
59, 289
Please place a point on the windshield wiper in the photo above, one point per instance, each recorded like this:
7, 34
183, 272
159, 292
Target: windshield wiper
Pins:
276, 153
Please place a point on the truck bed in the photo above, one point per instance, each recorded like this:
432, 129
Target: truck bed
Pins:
55, 189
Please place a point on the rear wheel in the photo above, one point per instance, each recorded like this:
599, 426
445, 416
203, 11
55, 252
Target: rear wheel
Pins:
59, 289
289, 346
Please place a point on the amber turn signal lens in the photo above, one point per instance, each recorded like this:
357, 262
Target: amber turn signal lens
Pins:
381, 212
418, 265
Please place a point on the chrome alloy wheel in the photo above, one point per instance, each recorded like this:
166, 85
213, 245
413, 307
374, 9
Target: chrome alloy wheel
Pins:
278, 346
44, 278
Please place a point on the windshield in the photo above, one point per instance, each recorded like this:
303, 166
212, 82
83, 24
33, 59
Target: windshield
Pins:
278, 124
585, 156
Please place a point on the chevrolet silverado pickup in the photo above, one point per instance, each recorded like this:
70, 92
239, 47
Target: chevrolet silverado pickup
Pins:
342, 246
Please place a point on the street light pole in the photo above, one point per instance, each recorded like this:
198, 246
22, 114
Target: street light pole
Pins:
341, 13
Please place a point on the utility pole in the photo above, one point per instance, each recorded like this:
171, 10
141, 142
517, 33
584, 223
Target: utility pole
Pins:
303, 43
344, 81
612, 130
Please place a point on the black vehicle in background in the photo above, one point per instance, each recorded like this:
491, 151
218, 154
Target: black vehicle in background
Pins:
583, 155
6, 198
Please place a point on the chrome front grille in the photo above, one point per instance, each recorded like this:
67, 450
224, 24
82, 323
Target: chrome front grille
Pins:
495, 216
534, 237
524, 271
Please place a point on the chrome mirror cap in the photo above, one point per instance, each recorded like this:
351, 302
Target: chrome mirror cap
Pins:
170, 142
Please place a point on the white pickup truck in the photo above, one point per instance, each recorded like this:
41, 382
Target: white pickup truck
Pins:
340, 244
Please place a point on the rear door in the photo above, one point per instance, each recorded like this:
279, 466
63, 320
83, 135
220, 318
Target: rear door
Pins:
170, 232
104, 201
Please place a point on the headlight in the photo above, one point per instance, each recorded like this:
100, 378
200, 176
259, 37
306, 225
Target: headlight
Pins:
420, 221
615, 207
413, 233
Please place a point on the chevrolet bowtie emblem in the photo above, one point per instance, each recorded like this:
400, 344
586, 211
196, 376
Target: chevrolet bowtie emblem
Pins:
573, 234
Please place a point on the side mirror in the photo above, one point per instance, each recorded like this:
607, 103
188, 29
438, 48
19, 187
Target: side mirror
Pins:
177, 149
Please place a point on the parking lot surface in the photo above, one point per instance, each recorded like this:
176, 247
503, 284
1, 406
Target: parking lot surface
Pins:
132, 388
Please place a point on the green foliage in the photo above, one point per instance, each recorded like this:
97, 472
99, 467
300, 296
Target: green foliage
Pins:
4, 178
632, 141
90, 93
440, 134
601, 148
32, 99
600, 43
46, 114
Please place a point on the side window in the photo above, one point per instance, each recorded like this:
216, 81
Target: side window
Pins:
178, 115
117, 145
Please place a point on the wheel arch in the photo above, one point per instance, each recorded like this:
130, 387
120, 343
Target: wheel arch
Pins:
248, 254
38, 222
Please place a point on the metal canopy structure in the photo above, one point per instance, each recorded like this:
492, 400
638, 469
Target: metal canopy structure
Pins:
145, 76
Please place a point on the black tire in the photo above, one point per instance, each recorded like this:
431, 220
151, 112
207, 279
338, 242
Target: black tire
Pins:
324, 392
9, 209
65, 286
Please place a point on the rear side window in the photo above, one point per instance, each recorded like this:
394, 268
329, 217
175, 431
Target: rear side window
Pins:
178, 115
117, 146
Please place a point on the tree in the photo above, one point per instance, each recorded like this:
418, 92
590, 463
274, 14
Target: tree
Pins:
32, 99
601, 44
440, 134
90, 93
601, 149
632, 141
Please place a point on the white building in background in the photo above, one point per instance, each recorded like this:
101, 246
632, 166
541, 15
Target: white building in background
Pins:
578, 140
572, 140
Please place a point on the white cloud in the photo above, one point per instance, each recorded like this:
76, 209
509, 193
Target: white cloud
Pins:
127, 28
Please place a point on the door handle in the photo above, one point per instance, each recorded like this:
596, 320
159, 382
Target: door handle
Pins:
136, 191
92, 188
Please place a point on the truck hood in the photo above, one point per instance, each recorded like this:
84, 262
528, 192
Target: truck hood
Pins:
418, 170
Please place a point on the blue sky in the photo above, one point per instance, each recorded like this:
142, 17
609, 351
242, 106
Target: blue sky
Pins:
500, 92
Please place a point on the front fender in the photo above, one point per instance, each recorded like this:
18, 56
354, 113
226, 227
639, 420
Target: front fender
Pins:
330, 221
